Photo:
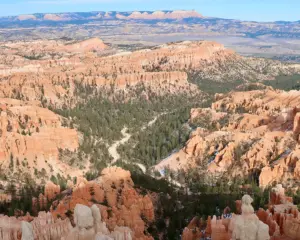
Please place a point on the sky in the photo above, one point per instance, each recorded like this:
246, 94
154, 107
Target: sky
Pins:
256, 10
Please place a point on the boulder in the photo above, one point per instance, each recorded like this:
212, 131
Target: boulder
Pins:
83, 217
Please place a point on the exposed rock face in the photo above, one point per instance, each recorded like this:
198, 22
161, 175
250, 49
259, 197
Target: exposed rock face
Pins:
296, 129
51, 190
55, 17
83, 217
98, 224
45, 227
102, 237
283, 217
26, 17
31, 138
48, 73
254, 132
277, 196
86, 224
5, 197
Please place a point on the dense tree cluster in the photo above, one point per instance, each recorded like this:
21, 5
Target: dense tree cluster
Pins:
21, 200
156, 142
285, 82
101, 119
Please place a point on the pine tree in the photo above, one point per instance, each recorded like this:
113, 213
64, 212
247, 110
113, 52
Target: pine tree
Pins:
11, 164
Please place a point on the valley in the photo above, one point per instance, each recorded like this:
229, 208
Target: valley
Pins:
140, 136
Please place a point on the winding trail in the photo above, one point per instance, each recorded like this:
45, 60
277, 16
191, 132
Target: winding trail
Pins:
113, 148
114, 152
126, 136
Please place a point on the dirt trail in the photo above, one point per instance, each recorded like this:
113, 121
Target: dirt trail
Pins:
113, 148
126, 136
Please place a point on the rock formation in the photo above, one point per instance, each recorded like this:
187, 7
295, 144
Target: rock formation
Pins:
27, 231
10, 228
48, 73
26, 17
278, 222
253, 132
107, 208
247, 226
88, 222
119, 203
88, 226
51, 190
31, 138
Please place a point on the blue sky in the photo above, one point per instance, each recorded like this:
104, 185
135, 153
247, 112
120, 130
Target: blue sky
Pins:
259, 10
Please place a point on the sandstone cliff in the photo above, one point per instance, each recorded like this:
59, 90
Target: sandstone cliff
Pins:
30, 140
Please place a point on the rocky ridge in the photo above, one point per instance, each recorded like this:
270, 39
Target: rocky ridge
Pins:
50, 71
254, 133
136, 15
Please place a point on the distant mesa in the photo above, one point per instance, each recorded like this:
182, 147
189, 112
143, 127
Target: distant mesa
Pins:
120, 16
26, 17
136, 15
56, 17
165, 15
